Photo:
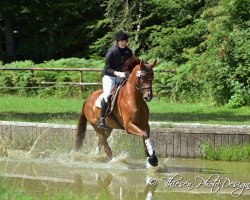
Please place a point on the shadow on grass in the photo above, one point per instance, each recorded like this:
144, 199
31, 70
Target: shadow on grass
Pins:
194, 117
180, 170
174, 117
39, 117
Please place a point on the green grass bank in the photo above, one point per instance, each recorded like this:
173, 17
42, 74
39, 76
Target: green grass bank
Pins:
66, 111
55, 110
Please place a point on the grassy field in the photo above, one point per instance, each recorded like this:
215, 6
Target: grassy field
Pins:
54, 110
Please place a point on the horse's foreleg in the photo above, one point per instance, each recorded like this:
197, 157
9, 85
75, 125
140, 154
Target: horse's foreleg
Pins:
149, 150
132, 128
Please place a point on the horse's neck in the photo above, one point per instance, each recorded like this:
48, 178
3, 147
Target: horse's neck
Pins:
131, 88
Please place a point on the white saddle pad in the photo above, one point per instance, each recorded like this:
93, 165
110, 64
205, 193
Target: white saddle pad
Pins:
98, 101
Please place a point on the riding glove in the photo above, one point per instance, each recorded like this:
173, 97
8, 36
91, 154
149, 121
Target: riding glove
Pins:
120, 74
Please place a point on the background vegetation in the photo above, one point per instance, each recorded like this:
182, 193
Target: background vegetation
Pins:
207, 41
30, 83
226, 153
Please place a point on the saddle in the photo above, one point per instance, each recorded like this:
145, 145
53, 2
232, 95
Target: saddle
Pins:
111, 98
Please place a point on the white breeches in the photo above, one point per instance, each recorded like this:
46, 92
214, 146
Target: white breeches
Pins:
108, 83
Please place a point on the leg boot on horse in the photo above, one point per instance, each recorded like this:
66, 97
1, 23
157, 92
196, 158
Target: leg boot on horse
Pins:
102, 121
151, 157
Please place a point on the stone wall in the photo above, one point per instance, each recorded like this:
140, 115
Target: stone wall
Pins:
181, 140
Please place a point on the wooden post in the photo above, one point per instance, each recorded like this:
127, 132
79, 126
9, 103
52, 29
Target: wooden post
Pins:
81, 80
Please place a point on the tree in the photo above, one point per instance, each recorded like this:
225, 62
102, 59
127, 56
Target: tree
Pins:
8, 12
124, 15
218, 68
55, 29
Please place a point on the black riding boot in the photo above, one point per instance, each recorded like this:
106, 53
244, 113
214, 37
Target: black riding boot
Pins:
104, 107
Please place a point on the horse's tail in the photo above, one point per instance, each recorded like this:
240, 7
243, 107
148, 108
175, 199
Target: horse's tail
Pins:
81, 130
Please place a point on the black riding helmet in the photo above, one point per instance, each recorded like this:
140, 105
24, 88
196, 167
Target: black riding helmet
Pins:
121, 35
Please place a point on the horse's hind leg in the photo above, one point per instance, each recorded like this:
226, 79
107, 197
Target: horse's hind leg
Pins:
102, 141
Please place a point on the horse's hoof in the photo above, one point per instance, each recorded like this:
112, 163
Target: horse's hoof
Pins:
153, 160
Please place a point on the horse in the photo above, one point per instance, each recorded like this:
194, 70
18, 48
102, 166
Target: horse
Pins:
130, 111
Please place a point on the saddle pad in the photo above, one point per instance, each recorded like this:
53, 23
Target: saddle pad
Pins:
98, 101
111, 99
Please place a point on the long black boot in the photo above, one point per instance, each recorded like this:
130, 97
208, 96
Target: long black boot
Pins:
102, 121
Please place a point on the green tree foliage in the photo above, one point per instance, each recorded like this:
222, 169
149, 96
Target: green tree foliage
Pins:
221, 70
230, 77
206, 41
124, 15
52, 29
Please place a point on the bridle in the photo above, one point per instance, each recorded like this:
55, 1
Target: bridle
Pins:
141, 74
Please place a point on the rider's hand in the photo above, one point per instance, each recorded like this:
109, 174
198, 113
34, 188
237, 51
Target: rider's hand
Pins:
120, 74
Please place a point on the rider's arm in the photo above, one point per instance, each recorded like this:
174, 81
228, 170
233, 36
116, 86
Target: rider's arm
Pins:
109, 65
109, 62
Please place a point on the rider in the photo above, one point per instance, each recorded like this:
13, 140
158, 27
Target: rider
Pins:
112, 72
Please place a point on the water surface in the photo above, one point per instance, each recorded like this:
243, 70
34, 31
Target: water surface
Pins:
95, 177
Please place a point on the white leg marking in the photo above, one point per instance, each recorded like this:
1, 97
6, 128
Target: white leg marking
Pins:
149, 195
149, 146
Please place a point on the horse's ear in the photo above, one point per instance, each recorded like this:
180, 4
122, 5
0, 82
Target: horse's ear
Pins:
142, 63
151, 65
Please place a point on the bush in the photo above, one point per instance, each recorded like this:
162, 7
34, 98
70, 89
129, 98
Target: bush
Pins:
29, 83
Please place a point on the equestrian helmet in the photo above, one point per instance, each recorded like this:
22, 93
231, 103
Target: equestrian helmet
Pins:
121, 35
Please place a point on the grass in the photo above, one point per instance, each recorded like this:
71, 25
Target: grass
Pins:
15, 108
7, 193
226, 153
54, 110
198, 113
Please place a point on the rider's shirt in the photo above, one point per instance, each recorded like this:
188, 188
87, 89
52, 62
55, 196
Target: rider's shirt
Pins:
115, 58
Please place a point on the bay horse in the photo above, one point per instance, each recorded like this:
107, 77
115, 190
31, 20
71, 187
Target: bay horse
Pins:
130, 110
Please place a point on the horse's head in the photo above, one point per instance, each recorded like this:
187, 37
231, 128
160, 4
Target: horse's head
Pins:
141, 77
145, 77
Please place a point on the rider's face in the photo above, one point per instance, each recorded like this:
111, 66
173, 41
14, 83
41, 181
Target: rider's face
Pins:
122, 43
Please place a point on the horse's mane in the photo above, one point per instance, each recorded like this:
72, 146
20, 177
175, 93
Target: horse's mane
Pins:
130, 64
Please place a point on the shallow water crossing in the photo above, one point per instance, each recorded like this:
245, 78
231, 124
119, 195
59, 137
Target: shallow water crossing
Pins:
95, 177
